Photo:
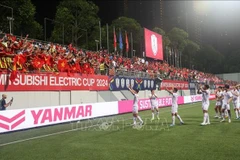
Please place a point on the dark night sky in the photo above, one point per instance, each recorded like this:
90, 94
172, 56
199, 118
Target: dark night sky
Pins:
220, 25
105, 7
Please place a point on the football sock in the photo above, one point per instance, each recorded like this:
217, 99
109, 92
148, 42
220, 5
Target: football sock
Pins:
157, 113
180, 119
134, 120
140, 119
229, 114
236, 111
226, 112
208, 119
204, 117
173, 120
152, 115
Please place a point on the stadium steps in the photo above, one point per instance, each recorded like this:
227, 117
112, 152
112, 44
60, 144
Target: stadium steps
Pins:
119, 95
107, 96
127, 94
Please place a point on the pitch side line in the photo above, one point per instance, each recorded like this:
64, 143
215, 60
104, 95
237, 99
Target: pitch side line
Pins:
77, 129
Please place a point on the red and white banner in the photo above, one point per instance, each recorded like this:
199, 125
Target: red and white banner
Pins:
53, 82
153, 45
13, 120
183, 85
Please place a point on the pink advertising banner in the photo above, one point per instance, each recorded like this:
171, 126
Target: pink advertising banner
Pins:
144, 104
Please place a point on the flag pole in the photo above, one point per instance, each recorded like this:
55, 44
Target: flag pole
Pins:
114, 39
100, 35
107, 40
131, 45
120, 42
127, 44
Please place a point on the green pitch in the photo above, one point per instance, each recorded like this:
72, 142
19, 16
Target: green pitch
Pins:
114, 138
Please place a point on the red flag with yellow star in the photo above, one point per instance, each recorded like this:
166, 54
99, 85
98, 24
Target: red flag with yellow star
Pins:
62, 65
13, 75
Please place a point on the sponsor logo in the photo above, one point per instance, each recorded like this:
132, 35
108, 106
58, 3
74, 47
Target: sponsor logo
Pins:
132, 82
154, 44
196, 98
44, 116
127, 82
122, 82
117, 82
152, 84
145, 83
192, 98
11, 123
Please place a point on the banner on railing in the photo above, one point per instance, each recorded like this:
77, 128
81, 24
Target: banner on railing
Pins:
145, 104
13, 120
122, 83
53, 82
183, 85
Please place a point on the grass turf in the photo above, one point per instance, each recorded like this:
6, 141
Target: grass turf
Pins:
155, 140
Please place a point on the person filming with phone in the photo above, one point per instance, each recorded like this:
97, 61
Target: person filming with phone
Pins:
3, 104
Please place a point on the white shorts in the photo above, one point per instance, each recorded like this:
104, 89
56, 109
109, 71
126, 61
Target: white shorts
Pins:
174, 109
218, 103
135, 110
235, 105
226, 106
205, 107
154, 107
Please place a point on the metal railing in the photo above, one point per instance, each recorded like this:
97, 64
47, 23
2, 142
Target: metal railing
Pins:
135, 74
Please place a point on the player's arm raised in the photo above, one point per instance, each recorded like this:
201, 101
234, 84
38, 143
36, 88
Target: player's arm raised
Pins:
202, 90
199, 91
155, 95
235, 93
131, 90
237, 85
169, 91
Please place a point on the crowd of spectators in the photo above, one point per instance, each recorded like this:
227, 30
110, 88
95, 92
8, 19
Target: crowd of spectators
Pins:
34, 56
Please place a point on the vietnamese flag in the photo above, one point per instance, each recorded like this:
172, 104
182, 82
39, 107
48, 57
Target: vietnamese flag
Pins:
19, 59
37, 63
76, 68
86, 68
127, 43
48, 60
114, 40
13, 75
62, 65
91, 71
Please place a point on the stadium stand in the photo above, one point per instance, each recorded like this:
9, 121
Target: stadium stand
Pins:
31, 56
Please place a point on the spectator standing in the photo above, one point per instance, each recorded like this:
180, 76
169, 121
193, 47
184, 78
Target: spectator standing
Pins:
3, 104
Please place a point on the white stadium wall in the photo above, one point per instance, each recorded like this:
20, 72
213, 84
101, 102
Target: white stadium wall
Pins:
55, 98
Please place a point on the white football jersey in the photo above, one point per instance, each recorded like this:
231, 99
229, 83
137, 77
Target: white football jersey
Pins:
153, 99
235, 98
135, 100
205, 96
219, 95
174, 99
226, 96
